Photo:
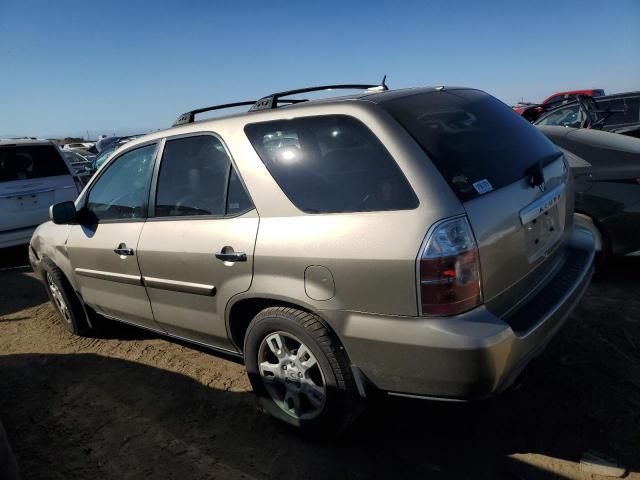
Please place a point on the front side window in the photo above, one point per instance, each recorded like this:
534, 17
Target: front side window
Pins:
104, 156
197, 178
122, 191
330, 164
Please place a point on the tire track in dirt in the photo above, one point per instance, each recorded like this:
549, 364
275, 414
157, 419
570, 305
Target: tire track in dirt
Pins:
132, 405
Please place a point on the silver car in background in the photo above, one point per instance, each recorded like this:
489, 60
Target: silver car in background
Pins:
419, 242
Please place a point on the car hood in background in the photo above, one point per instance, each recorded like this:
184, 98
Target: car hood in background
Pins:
591, 138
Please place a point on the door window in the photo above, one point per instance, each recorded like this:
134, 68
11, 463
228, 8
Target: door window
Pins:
197, 178
237, 199
122, 191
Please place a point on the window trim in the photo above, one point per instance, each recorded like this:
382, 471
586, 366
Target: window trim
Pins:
84, 198
364, 124
151, 212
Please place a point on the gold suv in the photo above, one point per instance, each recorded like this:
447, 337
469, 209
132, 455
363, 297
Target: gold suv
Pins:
419, 242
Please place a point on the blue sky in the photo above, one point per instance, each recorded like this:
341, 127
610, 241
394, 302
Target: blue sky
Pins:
71, 66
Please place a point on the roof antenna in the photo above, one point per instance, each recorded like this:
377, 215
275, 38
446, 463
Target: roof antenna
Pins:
379, 88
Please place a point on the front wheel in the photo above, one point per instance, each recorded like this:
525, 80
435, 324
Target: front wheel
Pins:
65, 301
299, 370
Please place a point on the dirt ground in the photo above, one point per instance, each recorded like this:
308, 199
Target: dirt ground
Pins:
132, 405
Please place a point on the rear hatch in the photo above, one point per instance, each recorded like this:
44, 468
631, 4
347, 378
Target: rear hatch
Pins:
32, 177
510, 179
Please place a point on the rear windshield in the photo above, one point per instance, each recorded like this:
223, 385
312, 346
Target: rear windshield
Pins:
330, 164
24, 162
477, 142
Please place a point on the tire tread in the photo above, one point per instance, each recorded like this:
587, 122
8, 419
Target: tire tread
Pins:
331, 347
80, 325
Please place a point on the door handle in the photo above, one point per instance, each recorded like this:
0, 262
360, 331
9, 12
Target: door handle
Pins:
123, 250
232, 256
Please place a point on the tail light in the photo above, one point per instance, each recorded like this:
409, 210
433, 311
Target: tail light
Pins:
450, 270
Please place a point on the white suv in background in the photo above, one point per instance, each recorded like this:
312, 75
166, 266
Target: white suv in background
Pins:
33, 176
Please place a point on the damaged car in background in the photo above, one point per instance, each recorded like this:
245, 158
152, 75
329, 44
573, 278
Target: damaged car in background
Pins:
606, 170
555, 100
614, 113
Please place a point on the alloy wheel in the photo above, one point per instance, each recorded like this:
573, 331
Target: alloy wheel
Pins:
58, 298
292, 375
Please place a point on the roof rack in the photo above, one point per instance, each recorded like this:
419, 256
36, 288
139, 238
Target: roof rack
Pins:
271, 101
189, 117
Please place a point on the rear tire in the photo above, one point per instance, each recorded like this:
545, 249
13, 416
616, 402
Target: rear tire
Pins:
299, 371
65, 300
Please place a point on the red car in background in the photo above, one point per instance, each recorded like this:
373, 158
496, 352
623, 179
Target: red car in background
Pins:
557, 98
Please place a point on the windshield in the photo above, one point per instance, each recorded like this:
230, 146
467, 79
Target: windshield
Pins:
104, 156
567, 117
477, 142
73, 157
24, 162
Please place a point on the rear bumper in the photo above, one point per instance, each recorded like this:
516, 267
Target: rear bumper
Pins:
469, 356
20, 236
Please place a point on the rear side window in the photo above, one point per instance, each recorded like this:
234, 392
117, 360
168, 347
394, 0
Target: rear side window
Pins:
330, 164
472, 138
30, 161
197, 178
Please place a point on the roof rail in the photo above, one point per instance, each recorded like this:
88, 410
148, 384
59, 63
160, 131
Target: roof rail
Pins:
271, 101
189, 117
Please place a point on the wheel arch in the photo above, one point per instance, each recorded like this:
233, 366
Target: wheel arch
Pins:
241, 312
45, 259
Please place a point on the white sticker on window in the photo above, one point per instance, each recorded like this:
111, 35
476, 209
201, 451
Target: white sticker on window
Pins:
483, 186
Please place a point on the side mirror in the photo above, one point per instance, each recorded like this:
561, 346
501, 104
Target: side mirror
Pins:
63, 213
